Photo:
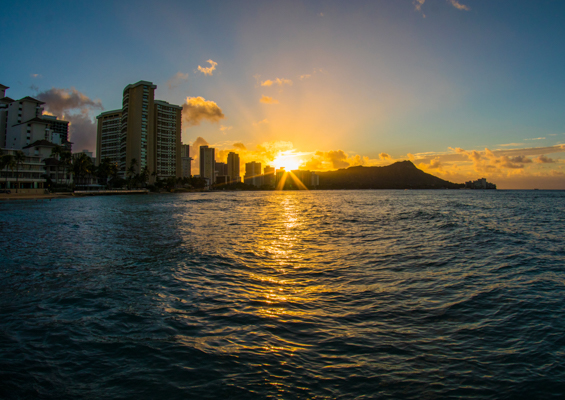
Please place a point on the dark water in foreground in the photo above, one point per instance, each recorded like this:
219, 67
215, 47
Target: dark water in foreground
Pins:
353, 294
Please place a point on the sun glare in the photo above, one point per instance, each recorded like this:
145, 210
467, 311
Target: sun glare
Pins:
288, 162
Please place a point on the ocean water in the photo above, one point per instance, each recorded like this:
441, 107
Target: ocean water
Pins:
314, 295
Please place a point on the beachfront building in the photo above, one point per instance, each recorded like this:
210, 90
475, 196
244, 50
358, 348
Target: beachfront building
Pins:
168, 139
233, 167
269, 176
186, 161
25, 177
253, 174
108, 131
207, 163
149, 132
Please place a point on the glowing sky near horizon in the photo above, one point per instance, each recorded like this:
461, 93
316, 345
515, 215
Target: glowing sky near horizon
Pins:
339, 83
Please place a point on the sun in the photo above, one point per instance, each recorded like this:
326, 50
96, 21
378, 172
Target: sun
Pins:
287, 161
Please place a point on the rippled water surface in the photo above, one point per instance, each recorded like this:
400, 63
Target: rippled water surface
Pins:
343, 294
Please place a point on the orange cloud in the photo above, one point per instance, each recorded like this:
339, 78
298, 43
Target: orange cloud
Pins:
198, 109
268, 100
278, 81
209, 70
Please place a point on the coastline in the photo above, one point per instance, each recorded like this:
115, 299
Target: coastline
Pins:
50, 196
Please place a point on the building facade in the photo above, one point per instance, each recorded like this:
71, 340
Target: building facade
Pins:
146, 130
207, 163
108, 131
233, 167
168, 161
186, 161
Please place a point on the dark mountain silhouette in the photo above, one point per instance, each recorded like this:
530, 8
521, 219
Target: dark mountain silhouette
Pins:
400, 175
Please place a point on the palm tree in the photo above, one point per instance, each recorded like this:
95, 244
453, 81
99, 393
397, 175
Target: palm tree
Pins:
131, 171
81, 166
7, 161
66, 159
19, 158
56, 153
144, 176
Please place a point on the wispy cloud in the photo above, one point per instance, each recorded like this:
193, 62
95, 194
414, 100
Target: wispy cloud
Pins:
36, 75
209, 70
511, 144
305, 76
278, 81
458, 5
384, 156
176, 80
198, 109
224, 129
265, 121
537, 138
268, 100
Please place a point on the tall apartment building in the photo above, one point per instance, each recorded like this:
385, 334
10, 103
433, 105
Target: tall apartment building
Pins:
233, 167
221, 169
207, 163
186, 161
108, 133
137, 137
149, 132
269, 176
253, 173
168, 139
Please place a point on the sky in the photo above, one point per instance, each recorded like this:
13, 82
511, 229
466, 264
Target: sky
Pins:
463, 88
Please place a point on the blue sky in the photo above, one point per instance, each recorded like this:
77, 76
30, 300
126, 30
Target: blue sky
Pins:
399, 77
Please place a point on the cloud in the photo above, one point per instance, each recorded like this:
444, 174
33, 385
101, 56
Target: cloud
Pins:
538, 138
73, 106
82, 131
36, 75
34, 88
239, 146
384, 156
268, 100
542, 159
209, 70
60, 101
198, 109
418, 4
321, 14
224, 129
278, 81
176, 80
511, 144
305, 76
195, 153
521, 159
265, 121
458, 5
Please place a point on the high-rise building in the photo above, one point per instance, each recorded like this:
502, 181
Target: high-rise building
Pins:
108, 136
149, 132
221, 169
269, 176
137, 138
253, 173
186, 161
168, 139
207, 163
233, 167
